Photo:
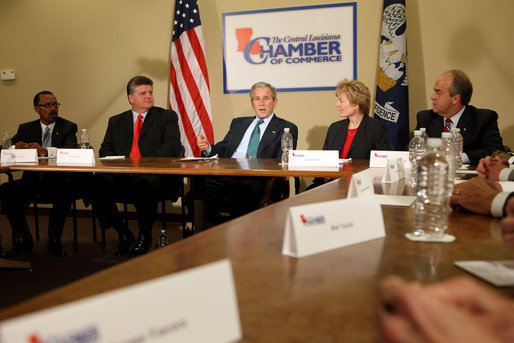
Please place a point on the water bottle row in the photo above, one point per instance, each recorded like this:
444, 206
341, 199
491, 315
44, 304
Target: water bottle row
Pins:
84, 140
452, 147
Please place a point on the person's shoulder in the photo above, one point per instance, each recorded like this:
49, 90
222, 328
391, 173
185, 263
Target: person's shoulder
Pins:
121, 115
66, 122
30, 123
480, 111
159, 111
426, 113
283, 122
338, 124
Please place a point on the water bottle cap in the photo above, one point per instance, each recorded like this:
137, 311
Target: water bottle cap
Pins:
286, 129
446, 135
423, 129
417, 133
434, 142
84, 130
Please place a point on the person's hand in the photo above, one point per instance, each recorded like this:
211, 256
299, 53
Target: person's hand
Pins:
475, 195
507, 223
490, 167
458, 310
20, 145
202, 143
501, 154
40, 150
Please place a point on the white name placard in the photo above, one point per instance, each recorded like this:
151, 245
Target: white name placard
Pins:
378, 158
75, 157
174, 308
394, 170
314, 158
19, 156
361, 184
315, 228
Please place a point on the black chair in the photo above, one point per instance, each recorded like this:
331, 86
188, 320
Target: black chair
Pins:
125, 201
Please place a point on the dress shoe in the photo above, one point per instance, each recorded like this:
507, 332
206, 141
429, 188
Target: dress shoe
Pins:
143, 243
22, 243
55, 247
126, 239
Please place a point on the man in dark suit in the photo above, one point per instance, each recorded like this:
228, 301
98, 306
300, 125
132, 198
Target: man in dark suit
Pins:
49, 130
143, 131
244, 193
450, 108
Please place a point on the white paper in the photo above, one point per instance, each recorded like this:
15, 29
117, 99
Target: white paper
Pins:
466, 171
499, 273
395, 200
197, 305
197, 159
361, 184
394, 170
319, 227
314, 158
378, 158
112, 158
75, 157
9, 156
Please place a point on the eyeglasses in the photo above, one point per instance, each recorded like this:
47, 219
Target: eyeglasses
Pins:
55, 104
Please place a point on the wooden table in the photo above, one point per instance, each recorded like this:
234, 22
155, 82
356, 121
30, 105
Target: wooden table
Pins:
328, 297
170, 165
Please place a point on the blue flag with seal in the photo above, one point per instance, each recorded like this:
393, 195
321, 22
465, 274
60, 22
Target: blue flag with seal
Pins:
392, 96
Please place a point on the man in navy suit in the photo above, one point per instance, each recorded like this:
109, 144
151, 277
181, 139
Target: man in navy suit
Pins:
244, 193
450, 108
49, 130
143, 131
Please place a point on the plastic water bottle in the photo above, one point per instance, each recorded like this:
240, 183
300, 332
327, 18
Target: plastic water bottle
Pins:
448, 151
6, 140
416, 150
287, 144
424, 134
431, 207
459, 144
163, 239
84, 140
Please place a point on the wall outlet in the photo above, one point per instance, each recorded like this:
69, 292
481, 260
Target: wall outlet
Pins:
8, 74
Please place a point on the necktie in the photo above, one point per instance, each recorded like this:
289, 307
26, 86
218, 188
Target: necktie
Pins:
447, 125
47, 139
134, 152
253, 144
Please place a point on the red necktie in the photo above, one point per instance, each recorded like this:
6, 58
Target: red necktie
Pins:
447, 125
134, 152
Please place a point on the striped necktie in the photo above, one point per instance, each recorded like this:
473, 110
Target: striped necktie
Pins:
47, 138
447, 125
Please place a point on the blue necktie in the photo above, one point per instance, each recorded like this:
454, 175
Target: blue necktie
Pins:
253, 144
47, 139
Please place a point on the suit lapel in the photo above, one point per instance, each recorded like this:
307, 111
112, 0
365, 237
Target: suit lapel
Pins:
436, 126
57, 133
150, 116
465, 122
341, 135
238, 134
272, 130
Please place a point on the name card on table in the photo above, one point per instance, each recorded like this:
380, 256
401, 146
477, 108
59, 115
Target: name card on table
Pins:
314, 158
378, 158
394, 170
173, 308
75, 157
315, 228
19, 156
361, 183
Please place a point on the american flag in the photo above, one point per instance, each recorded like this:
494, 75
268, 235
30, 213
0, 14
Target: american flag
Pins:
189, 82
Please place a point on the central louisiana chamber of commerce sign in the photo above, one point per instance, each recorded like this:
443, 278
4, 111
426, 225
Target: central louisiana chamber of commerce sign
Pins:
295, 48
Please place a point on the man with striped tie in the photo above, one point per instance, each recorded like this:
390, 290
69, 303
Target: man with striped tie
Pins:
451, 108
49, 130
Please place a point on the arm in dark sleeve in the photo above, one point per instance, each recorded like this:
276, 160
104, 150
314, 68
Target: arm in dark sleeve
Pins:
171, 145
70, 137
381, 139
490, 140
220, 148
107, 149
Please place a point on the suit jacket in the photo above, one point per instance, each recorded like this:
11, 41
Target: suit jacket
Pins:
478, 127
371, 135
63, 134
159, 137
269, 145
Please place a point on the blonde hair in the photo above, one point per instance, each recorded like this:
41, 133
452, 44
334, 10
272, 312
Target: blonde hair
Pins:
356, 92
